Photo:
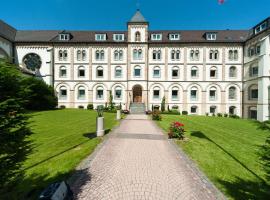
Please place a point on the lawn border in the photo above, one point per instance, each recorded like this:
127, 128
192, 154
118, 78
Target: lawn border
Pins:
85, 163
193, 166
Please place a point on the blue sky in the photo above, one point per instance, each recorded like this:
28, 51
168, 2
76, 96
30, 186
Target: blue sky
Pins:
113, 14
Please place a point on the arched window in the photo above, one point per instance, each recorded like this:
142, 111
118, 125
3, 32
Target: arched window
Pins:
118, 72
197, 55
65, 55
173, 56
216, 54
83, 55
60, 55
121, 55
213, 72
193, 93
63, 93
156, 72
81, 72
118, 92
232, 72
211, 55
137, 36
100, 72
156, 93
116, 55
79, 55
213, 94
192, 55
102, 55
159, 54
175, 93
232, 110
139, 54
235, 56
232, 93
230, 54
154, 55
97, 55
100, 93
194, 72
253, 92
81, 93
175, 72
253, 70
63, 72
137, 71
177, 56
213, 109
193, 109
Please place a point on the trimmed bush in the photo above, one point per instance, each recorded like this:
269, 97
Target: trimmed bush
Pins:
225, 115
234, 116
163, 104
156, 115
184, 112
219, 114
90, 106
175, 107
207, 114
172, 112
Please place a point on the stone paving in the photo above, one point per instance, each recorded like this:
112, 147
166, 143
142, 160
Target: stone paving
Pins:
138, 162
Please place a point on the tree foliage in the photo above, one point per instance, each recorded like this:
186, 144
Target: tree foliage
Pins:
163, 104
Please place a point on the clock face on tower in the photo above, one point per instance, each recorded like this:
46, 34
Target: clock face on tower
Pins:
32, 61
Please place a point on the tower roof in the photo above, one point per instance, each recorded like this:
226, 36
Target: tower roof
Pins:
138, 18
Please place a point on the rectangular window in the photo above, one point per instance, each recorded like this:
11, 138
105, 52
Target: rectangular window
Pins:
213, 73
99, 73
193, 94
156, 36
193, 73
211, 36
63, 73
63, 37
118, 94
100, 37
261, 27
156, 94
118, 73
174, 36
193, 109
81, 94
118, 37
212, 109
81, 73
156, 73
175, 73
137, 72
254, 71
99, 94
212, 95
254, 94
63, 94
174, 94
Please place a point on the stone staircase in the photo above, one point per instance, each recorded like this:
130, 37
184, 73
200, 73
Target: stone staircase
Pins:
137, 108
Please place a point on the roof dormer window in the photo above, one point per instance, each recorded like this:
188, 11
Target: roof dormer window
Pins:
100, 37
174, 36
156, 36
64, 36
118, 37
261, 27
211, 36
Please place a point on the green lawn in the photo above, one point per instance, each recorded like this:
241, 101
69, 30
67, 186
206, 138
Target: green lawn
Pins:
227, 151
61, 139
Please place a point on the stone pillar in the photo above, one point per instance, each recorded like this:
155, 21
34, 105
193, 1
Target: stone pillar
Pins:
185, 106
204, 105
223, 102
72, 99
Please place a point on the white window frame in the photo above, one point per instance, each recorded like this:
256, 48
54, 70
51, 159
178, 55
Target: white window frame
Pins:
156, 36
211, 36
118, 37
64, 36
174, 36
100, 37
81, 88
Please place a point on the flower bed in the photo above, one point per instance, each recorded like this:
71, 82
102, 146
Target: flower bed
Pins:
176, 130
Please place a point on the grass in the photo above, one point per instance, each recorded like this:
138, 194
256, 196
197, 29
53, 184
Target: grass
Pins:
61, 139
227, 151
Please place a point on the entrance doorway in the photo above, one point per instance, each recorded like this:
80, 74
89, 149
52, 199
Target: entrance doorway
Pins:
137, 94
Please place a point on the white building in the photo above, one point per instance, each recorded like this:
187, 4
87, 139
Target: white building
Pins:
211, 71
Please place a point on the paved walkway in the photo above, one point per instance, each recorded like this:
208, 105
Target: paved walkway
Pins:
138, 162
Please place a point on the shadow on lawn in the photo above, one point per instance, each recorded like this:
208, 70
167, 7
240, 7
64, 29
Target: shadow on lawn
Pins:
240, 189
31, 187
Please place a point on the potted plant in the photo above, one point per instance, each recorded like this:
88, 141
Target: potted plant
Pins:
100, 121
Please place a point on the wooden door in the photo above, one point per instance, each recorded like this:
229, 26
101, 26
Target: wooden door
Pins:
137, 94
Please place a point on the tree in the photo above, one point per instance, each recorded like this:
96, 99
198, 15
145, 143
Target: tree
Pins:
37, 94
13, 126
111, 104
163, 104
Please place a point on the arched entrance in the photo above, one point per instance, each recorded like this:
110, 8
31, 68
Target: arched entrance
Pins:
137, 94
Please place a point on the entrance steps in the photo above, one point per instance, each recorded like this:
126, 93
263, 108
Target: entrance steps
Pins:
137, 108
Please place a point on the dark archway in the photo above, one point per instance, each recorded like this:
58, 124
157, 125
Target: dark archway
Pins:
137, 94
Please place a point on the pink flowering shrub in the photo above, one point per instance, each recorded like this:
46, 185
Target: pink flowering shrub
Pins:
176, 130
